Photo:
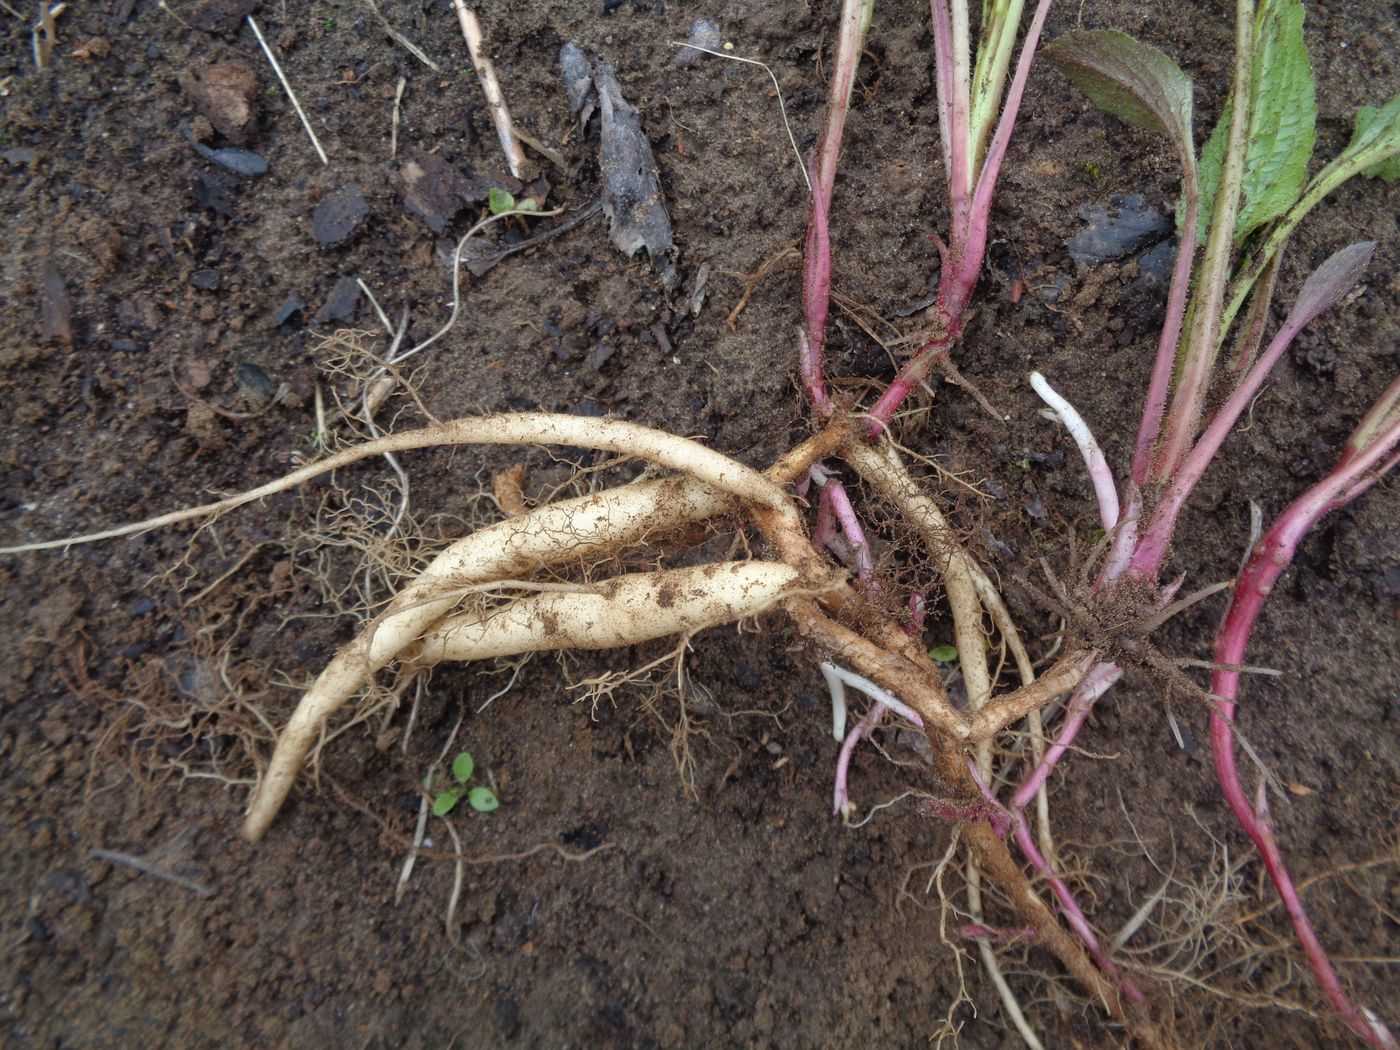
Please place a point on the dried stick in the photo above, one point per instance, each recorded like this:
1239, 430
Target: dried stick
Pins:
491, 87
287, 87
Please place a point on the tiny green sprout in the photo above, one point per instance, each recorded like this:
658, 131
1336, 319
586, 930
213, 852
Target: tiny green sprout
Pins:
529, 204
944, 654
481, 799
1097, 536
500, 201
328, 22
446, 801
463, 766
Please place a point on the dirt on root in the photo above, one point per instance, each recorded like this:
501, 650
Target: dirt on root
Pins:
154, 351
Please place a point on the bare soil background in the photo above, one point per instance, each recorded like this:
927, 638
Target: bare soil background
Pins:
744, 914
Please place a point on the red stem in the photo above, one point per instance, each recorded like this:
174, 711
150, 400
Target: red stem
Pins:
816, 300
1152, 550
1160, 386
962, 261
1273, 554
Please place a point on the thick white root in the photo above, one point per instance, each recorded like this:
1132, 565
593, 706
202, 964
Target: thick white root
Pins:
569, 531
625, 610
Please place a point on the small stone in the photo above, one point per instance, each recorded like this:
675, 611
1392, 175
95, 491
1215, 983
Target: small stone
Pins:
211, 190
598, 356
746, 678
206, 280
434, 191
224, 17
342, 303
293, 304
256, 384
339, 214
1125, 225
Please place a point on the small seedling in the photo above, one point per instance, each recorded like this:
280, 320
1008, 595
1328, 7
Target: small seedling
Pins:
481, 799
944, 654
502, 201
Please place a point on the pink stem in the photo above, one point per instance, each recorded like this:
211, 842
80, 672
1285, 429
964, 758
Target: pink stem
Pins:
834, 496
953, 107
1073, 914
962, 262
969, 249
1273, 554
918, 608
1100, 476
1160, 386
914, 372
816, 301
816, 264
1125, 538
1151, 552
841, 796
1094, 684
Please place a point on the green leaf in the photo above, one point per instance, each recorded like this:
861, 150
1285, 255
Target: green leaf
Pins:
944, 654
446, 801
1378, 132
462, 767
483, 800
1282, 126
500, 200
529, 204
1131, 80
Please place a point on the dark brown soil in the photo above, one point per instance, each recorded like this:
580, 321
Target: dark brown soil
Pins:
744, 914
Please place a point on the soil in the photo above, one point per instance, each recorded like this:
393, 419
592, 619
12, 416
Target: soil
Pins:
740, 912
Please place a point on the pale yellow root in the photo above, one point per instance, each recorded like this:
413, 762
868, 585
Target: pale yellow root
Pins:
564, 532
523, 428
568, 531
626, 610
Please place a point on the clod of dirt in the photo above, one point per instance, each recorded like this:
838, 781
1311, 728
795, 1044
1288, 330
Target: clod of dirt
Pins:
631, 188
704, 33
291, 306
599, 356
227, 94
434, 191
221, 16
342, 303
254, 383
211, 190
1116, 230
55, 307
339, 214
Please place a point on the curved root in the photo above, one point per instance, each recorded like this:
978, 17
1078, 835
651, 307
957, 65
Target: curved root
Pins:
626, 610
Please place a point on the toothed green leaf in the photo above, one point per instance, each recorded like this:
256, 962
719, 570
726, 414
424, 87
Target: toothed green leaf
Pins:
1132, 80
1282, 126
1378, 132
